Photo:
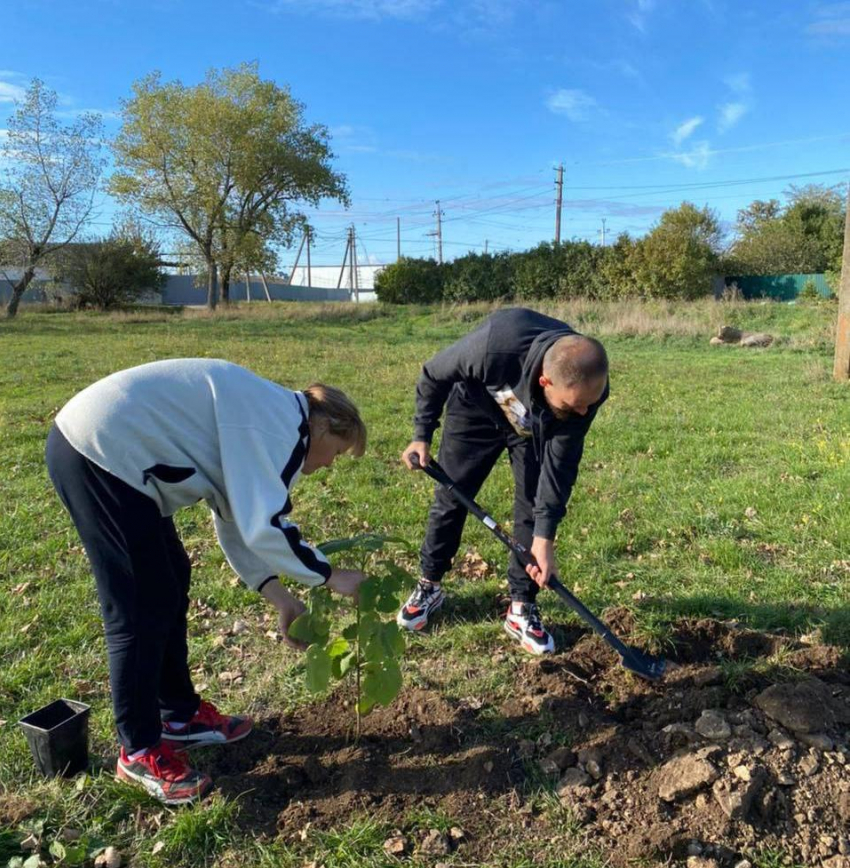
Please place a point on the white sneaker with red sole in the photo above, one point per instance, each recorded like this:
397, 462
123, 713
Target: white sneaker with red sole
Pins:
523, 623
425, 599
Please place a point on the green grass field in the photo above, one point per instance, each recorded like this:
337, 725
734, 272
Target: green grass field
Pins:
715, 482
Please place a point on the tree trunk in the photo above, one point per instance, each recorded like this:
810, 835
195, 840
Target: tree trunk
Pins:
18, 291
212, 284
841, 368
225, 284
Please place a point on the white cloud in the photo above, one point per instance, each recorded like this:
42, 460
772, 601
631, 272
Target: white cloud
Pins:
638, 12
627, 69
685, 129
373, 10
696, 158
575, 104
833, 20
730, 114
10, 92
741, 102
353, 138
739, 83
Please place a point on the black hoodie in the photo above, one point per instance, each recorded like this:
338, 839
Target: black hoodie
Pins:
497, 367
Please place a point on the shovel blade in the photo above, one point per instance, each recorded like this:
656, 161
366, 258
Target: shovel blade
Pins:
646, 665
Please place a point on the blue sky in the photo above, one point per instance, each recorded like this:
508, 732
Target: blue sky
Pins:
474, 102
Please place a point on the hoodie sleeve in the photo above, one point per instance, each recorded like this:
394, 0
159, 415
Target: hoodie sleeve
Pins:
259, 541
463, 360
561, 459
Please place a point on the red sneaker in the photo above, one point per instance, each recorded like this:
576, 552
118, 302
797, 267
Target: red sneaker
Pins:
165, 774
208, 726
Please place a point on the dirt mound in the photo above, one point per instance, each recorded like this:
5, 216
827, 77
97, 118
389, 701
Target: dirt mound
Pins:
712, 765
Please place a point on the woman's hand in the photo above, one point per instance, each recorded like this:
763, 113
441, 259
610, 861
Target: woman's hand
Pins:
346, 582
288, 608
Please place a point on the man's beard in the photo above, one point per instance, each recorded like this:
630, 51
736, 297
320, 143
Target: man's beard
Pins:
562, 415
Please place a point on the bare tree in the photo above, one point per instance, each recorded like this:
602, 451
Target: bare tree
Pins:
50, 173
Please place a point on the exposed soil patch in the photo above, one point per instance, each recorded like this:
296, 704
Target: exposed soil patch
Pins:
697, 770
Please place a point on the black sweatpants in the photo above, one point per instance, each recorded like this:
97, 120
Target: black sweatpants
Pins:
142, 573
470, 446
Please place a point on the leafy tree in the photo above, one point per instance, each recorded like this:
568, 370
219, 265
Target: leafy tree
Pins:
50, 176
222, 160
112, 272
680, 256
803, 237
757, 214
410, 281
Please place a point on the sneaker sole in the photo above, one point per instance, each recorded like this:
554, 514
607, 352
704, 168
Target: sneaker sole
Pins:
536, 650
179, 742
421, 622
154, 789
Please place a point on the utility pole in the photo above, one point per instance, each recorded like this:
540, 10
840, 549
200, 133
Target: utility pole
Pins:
266, 286
603, 231
398, 238
559, 183
354, 260
344, 258
351, 272
309, 242
438, 233
841, 369
297, 257
485, 246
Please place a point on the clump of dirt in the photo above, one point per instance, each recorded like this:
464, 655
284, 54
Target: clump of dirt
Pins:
697, 769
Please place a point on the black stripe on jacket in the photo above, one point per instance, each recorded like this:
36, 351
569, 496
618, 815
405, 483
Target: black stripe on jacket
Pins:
302, 551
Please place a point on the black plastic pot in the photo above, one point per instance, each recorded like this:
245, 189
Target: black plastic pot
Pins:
58, 736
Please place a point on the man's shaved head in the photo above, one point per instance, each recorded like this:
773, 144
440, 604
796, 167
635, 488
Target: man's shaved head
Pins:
575, 360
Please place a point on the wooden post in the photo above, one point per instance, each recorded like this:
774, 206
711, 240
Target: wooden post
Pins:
841, 368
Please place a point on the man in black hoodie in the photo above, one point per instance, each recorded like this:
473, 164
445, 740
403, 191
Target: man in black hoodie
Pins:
527, 383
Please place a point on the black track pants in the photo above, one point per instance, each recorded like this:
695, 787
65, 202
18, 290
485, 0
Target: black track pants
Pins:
142, 573
470, 445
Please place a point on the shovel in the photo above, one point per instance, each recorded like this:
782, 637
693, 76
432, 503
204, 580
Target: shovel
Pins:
643, 664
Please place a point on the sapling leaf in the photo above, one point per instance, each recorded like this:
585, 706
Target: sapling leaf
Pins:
301, 629
381, 681
365, 705
345, 663
392, 639
318, 664
338, 648
368, 594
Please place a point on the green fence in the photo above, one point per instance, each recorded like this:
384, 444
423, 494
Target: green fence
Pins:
779, 287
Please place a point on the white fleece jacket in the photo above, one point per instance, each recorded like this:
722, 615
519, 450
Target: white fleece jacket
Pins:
185, 430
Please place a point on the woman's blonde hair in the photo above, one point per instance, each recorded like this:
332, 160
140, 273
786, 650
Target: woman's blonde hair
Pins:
339, 413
